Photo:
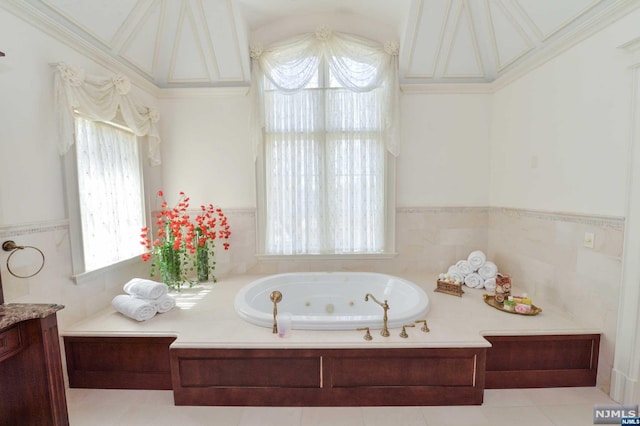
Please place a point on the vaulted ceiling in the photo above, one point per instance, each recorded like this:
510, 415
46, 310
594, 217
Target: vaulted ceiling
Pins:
204, 43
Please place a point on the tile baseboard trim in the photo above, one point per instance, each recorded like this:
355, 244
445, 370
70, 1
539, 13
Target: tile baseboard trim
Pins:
613, 222
34, 228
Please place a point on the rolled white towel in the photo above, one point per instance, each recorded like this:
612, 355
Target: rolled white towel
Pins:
464, 266
163, 303
133, 307
490, 284
477, 259
474, 280
146, 289
455, 274
488, 270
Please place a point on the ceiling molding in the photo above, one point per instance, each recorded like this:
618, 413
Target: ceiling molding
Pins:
138, 26
633, 48
439, 44
202, 43
202, 92
131, 24
455, 38
86, 28
39, 19
186, 16
500, 66
446, 88
213, 61
234, 33
545, 36
583, 31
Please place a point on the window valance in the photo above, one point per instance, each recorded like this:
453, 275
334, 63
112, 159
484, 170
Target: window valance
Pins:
359, 64
100, 98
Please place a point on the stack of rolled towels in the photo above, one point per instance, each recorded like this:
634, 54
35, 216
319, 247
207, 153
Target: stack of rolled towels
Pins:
475, 272
143, 300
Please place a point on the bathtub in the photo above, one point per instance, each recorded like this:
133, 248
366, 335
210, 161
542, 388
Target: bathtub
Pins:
332, 300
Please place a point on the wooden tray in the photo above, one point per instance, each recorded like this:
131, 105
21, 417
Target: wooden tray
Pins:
489, 300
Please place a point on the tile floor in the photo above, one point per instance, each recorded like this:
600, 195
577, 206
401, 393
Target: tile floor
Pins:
522, 407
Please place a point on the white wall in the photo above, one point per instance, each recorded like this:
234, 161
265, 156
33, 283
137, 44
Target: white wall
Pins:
207, 149
445, 150
31, 183
560, 133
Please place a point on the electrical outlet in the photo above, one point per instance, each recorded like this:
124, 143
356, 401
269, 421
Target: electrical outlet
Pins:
589, 239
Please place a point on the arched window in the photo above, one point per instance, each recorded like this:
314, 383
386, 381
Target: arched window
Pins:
327, 105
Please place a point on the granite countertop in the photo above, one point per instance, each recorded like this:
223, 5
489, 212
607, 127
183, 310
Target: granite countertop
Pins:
13, 313
205, 318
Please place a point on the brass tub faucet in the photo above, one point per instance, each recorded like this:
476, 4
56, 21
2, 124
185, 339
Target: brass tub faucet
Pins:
385, 331
275, 297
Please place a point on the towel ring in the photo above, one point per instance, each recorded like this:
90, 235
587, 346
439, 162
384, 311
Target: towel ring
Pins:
13, 248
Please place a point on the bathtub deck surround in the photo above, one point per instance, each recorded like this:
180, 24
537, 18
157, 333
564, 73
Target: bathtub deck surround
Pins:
211, 348
205, 317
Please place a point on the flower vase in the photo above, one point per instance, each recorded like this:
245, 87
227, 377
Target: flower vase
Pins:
170, 267
202, 260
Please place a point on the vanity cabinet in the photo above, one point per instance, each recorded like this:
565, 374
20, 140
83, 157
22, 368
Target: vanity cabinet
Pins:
31, 380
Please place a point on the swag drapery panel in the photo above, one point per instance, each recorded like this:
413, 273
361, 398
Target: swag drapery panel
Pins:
100, 98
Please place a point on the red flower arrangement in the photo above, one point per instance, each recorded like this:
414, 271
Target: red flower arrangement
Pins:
181, 245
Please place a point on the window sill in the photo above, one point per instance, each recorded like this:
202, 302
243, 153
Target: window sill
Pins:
359, 256
86, 277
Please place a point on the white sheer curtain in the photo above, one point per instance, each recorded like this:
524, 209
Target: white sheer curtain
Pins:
326, 111
110, 185
101, 98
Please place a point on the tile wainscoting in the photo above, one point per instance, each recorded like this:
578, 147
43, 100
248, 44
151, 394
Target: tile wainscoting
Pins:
546, 256
543, 252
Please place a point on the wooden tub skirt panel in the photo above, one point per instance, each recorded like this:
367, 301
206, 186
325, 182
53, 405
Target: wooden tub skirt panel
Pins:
331, 377
542, 361
118, 362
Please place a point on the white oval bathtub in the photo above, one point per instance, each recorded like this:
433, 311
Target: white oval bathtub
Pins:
332, 300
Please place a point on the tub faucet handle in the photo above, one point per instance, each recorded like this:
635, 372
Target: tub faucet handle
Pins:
403, 333
424, 327
367, 335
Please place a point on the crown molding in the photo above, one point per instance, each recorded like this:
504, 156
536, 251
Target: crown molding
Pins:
202, 92
633, 48
41, 21
32, 15
446, 88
